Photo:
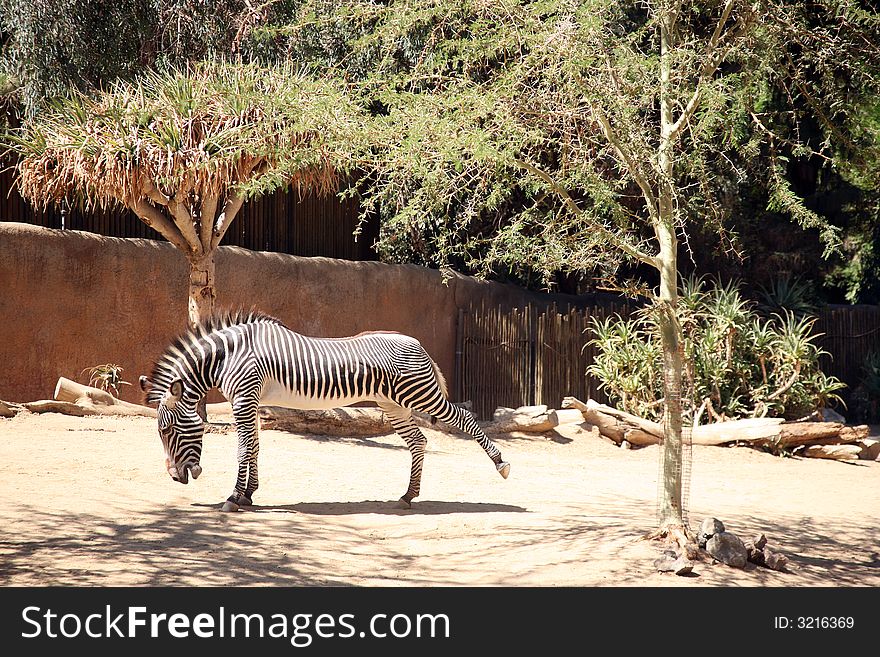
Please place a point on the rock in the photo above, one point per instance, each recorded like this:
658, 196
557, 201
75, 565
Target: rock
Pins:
728, 548
760, 541
756, 557
870, 449
665, 564
774, 560
682, 566
672, 563
755, 549
708, 528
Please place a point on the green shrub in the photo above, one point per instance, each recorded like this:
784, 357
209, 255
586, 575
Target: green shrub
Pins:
738, 362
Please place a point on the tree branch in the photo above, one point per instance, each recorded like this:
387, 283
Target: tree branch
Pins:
206, 222
711, 61
234, 201
572, 205
179, 213
230, 210
757, 121
184, 221
629, 161
155, 194
788, 384
154, 218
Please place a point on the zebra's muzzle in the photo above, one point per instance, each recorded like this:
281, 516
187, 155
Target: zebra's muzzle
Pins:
182, 474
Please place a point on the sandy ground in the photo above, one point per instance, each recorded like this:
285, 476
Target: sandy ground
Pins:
87, 502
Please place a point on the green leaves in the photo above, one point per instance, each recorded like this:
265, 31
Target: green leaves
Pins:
742, 362
192, 133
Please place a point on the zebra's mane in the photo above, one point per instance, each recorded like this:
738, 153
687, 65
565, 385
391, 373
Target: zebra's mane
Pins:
165, 368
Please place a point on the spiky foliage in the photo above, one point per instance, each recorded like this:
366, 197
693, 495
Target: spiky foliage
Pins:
184, 149
107, 377
186, 136
742, 363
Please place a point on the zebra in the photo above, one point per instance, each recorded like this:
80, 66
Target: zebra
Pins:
255, 360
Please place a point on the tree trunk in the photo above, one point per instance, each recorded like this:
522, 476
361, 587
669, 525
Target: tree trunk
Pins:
202, 293
670, 507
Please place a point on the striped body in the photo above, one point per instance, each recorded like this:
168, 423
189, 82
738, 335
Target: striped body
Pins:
254, 360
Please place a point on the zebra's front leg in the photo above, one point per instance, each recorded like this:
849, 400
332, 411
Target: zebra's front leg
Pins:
401, 420
246, 480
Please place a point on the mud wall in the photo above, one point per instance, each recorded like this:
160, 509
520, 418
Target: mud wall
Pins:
70, 300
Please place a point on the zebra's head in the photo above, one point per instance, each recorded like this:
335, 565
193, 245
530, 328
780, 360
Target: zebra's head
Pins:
180, 428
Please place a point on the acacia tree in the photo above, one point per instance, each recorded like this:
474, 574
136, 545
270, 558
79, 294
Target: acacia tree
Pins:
52, 45
574, 135
184, 149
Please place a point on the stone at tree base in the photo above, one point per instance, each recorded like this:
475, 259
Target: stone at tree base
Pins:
755, 549
708, 528
728, 548
683, 566
665, 563
774, 560
671, 562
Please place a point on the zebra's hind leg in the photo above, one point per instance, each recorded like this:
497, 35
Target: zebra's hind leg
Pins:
401, 420
461, 419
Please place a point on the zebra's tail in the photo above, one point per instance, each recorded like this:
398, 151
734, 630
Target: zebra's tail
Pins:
441, 381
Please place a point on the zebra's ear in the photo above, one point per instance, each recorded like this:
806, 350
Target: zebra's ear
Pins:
175, 392
146, 384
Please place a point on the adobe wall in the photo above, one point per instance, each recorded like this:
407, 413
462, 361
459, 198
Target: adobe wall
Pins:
70, 300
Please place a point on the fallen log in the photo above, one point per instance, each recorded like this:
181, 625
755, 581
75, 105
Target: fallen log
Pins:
6, 409
529, 419
565, 416
772, 433
836, 452
55, 406
346, 421
617, 425
97, 400
747, 430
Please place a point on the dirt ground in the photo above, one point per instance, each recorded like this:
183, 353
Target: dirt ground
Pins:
87, 502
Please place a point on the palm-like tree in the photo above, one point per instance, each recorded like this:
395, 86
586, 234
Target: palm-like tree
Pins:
184, 149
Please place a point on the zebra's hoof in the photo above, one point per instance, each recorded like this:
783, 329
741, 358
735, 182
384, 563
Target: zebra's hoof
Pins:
403, 503
229, 506
503, 468
245, 501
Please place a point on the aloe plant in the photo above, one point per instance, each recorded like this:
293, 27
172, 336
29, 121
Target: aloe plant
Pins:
106, 377
740, 363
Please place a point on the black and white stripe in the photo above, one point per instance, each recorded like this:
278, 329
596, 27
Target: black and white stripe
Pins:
253, 359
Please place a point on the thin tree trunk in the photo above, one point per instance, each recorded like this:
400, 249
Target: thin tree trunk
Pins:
202, 293
670, 507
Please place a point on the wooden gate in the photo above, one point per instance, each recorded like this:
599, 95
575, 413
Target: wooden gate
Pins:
525, 356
